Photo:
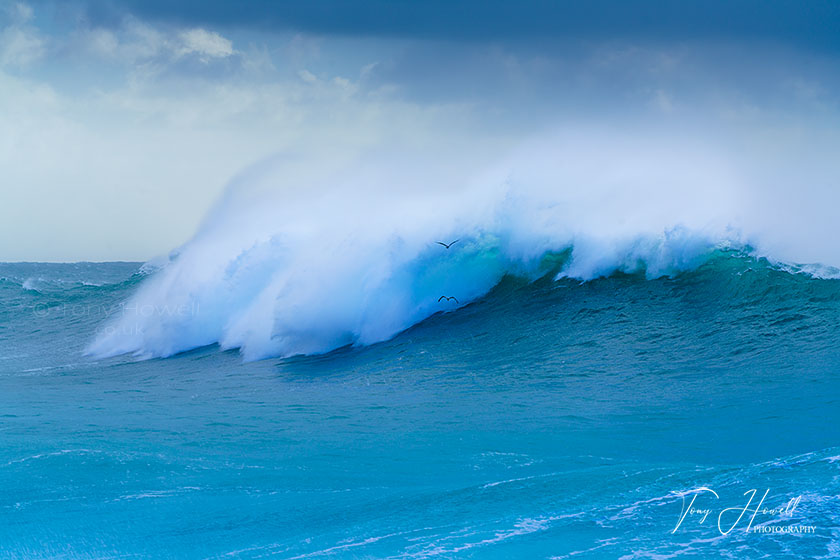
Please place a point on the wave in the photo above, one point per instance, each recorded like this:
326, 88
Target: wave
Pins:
257, 303
39, 284
54, 279
304, 257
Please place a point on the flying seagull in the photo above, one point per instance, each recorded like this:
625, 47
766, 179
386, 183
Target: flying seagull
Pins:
448, 298
447, 246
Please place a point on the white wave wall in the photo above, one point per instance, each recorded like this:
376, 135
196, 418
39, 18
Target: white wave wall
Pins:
303, 255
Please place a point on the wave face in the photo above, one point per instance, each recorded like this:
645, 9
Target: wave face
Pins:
302, 257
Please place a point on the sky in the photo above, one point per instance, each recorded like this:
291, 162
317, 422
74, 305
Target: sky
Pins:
121, 123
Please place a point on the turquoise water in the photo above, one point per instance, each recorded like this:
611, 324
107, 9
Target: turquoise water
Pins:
547, 419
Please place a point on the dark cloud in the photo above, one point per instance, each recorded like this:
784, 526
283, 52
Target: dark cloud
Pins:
812, 24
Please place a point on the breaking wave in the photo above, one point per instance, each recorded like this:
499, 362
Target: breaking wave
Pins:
302, 257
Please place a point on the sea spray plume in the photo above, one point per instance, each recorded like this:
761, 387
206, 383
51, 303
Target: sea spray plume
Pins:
305, 257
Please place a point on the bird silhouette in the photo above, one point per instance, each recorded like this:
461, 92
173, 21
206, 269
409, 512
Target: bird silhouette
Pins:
448, 298
447, 246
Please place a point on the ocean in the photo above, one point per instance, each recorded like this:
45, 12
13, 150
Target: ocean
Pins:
542, 415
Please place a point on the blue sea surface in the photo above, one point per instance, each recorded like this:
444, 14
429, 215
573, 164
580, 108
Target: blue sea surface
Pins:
547, 419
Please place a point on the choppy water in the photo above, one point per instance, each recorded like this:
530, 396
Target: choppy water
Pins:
547, 419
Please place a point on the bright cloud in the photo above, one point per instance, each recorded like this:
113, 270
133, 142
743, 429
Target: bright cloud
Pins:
206, 44
136, 42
